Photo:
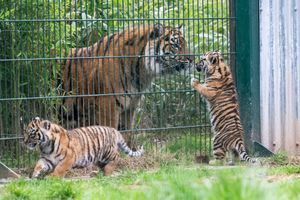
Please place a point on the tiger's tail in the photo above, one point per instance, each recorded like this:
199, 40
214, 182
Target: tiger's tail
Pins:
244, 156
124, 147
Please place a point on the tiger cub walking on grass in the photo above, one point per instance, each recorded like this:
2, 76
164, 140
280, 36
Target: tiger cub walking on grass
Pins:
220, 93
63, 149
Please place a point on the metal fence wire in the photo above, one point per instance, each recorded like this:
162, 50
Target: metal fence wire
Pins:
51, 68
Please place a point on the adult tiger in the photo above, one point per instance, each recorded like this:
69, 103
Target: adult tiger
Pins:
126, 64
62, 150
220, 93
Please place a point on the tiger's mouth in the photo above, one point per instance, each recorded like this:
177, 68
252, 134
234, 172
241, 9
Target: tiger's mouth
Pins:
176, 66
31, 146
200, 66
183, 66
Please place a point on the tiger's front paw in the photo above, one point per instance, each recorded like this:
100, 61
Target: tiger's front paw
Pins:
194, 82
36, 174
94, 174
216, 162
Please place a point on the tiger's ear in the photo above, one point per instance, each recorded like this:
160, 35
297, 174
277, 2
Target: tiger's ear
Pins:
180, 28
157, 31
46, 125
213, 59
37, 120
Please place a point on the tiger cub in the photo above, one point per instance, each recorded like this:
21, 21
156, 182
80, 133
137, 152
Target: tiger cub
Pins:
221, 96
63, 149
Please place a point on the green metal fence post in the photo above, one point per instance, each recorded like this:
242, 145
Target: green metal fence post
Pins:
247, 67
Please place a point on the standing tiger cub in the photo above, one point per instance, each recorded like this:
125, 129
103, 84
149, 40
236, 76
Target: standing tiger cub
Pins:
62, 150
221, 96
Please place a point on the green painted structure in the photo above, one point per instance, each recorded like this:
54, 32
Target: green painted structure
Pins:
247, 67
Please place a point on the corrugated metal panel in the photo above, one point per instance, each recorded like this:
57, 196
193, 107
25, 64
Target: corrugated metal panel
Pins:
280, 74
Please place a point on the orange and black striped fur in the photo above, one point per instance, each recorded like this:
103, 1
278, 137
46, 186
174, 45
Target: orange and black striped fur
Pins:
63, 149
125, 64
220, 93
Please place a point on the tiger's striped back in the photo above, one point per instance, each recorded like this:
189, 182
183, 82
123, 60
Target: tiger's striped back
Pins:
220, 93
62, 150
101, 143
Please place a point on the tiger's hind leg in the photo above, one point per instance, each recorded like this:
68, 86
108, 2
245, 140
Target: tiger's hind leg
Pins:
106, 168
110, 168
109, 165
100, 165
219, 155
231, 156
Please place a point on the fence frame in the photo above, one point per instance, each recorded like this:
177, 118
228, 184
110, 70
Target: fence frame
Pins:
233, 41
247, 68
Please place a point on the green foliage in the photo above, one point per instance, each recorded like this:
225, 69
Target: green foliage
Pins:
287, 169
49, 188
18, 190
179, 143
61, 190
168, 182
234, 186
190, 144
290, 190
18, 157
280, 158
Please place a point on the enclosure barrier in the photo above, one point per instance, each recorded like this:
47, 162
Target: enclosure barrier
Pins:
37, 37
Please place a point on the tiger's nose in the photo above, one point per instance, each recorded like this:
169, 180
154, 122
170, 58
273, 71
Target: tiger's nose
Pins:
199, 66
190, 58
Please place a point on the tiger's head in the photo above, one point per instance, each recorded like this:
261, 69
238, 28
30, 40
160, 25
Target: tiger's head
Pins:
34, 134
168, 52
213, 65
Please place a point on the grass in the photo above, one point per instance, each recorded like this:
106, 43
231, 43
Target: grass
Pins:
190, 144
286, 170
168, 182
280, 158
170, 178
176, 142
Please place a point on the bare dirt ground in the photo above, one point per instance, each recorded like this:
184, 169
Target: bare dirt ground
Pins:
146, 162
151, 162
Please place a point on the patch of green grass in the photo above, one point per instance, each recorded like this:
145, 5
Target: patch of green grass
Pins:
49, 188
62, 190
234, 186
175, 146
169, 182
18, 190
190, 144
280, 158
289, 190
288, 169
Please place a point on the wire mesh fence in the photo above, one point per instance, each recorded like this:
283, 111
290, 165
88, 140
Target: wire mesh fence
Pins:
80, 63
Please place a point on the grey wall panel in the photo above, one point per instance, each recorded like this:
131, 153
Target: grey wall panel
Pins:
280, 74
